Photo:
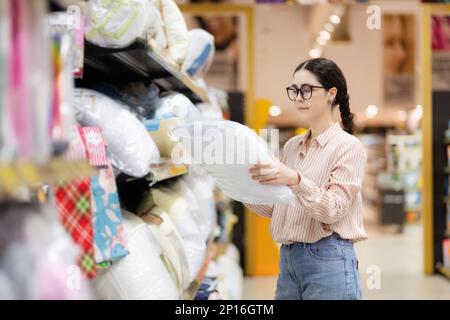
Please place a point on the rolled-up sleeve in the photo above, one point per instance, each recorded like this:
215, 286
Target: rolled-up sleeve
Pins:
331, 202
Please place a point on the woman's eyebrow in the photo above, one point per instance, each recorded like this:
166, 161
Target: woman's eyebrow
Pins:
303, 84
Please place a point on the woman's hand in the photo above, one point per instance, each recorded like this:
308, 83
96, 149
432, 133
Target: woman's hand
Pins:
274, 174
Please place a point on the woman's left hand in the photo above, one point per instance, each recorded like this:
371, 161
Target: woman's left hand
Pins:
274, 174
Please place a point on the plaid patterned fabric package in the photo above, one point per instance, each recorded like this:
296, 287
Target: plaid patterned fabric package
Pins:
109, 232
73, 200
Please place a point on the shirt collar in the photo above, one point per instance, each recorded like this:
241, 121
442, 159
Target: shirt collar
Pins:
323, 138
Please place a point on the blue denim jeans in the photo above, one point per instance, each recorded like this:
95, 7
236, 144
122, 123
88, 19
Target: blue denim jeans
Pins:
325, 270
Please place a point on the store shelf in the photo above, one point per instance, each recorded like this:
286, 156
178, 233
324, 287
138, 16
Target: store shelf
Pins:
445, 272
162, 170
138, 62
22, 173
414, 209
165, 170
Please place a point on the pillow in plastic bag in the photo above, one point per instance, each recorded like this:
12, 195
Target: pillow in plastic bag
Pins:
230, 275
200, 53
178, 210
157, 38
132, 149
227, 150
116, 24
142, 275
177, 105
161, 133
170, 241
175, 29
144, 100
204, 196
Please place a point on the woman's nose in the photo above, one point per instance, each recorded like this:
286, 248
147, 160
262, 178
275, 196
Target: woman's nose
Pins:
299, 98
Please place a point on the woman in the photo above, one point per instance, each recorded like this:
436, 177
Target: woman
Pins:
324, 168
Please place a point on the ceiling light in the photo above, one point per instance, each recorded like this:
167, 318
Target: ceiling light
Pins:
315, 53
325, 35
274, 111
371, 111
335, 19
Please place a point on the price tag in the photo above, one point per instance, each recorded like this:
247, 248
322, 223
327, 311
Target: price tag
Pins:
29, 173
177, 170
8, 178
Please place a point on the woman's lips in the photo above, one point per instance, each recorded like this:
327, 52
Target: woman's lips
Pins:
302, 108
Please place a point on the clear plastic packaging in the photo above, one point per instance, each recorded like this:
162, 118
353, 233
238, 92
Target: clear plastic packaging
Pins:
204, 195
227, 150
180, 213
171, 243
200, 53
132, 149
230, 275
177, 105
175, 29
116, 24
142, 275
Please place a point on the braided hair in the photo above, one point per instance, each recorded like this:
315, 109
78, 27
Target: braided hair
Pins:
330, 75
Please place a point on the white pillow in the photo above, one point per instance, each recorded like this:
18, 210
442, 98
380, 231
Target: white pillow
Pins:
175, 30
204, 195
178, 210
200, 53
116, 24
230, 276
156, 28
177, 105
171, 243
142, 274
228, 150
132, 149
161, 133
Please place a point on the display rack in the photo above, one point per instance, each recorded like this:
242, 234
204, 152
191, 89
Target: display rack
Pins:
32, 175
376, 161
445, 272
140, 63
165, 170
137, 62
435, 125
162, 170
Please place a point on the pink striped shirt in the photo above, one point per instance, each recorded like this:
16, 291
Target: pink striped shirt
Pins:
328, 197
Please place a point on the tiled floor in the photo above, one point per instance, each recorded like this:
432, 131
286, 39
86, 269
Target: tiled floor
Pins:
397, 258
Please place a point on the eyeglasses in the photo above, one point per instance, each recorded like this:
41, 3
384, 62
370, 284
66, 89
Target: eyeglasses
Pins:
305, 91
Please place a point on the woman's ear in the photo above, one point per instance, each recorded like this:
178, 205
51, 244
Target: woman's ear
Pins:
332, 93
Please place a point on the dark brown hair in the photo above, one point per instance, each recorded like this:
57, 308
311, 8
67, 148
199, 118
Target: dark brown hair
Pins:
330, 75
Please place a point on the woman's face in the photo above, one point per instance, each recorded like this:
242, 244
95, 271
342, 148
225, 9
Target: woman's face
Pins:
317, 106
394, 47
